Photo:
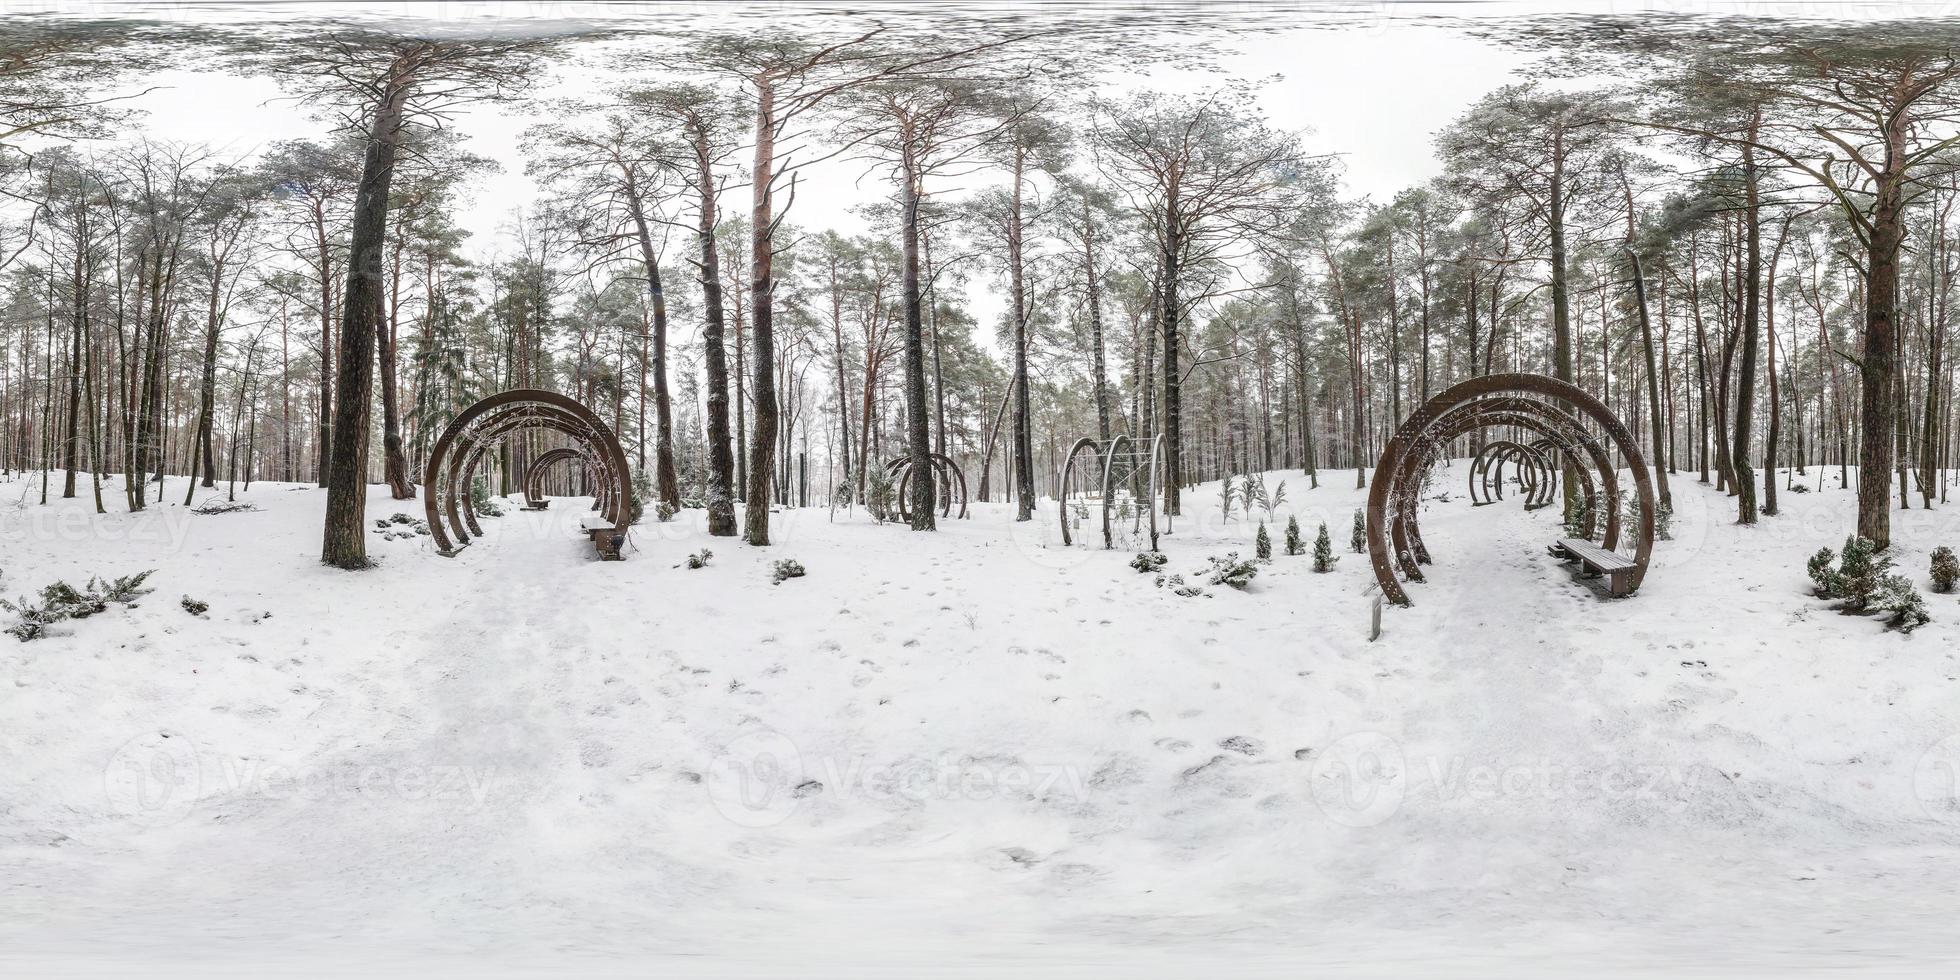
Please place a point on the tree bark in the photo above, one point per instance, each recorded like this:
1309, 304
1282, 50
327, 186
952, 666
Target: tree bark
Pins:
344, 543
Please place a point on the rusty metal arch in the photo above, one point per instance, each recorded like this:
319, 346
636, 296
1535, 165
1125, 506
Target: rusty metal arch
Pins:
1100, 460
899, 468
1068, 478
1559, 429
1466, 405
486, 436
534, 474
1531, 467
471, 433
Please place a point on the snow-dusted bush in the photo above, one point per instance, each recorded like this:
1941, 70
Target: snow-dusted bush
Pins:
1176, 584
1576, 518
1324, 558
1859, 570
1865, 581
1148, 561
482, 502
195, 607
641, 491
699, 559
1358, 535
1294, 546
1262, 546
1630, 516
1946, 569
879, 494
1823, 572
1895, 594
223, 507
61, 601
400, 526
125, 590
785, 568
1231, 570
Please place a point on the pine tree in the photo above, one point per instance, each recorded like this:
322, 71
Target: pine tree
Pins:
1358, 538
1323, 551
1294, 545
1262, 546
1946, 569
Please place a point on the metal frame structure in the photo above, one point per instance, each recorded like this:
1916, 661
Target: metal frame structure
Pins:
534, 498
476, 430
1121, 461
899, 470
1536, 476
1535, 403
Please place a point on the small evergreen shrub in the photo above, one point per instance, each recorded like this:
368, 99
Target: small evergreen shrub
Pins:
482, 502
125, 590
1254, 493
61, 601
1225, 498
1358, 535
1894, 594
1231, 570
1577, 517
223, 507
784, 569
1294, 546
1262, 546
1823, 573
1324, 558
699, 559
1864, 580
663, 511
879, 495
636, 502
1148, 561
400, 526
1176, 584
194, 606
1859, 571
1946, 569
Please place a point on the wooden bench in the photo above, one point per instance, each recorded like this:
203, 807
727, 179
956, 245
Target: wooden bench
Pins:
606, 538
1617, 567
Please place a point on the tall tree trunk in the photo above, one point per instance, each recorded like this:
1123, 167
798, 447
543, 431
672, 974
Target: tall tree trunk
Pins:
1878, 366
344, 543
1744, 480
918, 434
1018, 300
721, 459
666, 474
762, 287
1653, 380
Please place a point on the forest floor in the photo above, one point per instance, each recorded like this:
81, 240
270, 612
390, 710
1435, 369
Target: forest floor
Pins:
970, 751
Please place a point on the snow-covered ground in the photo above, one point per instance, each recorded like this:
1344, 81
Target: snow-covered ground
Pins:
966, 752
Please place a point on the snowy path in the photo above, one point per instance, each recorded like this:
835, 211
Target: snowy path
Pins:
942, 747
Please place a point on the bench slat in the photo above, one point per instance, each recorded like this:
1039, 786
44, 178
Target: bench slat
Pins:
1595, 555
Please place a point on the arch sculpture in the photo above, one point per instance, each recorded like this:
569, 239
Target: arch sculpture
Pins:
1115, 486
948, 473
1533, 470
1564, 417
534, 498
483, 426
